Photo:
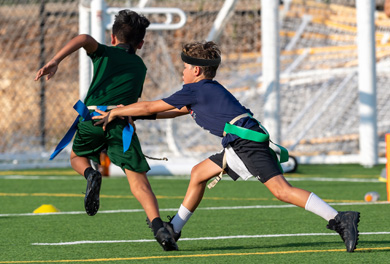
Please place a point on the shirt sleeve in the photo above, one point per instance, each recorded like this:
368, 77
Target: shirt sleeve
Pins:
97, 53
184, 97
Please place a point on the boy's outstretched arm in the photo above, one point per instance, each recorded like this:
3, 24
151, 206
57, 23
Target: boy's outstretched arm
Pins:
145, 108
81, 41
172, 113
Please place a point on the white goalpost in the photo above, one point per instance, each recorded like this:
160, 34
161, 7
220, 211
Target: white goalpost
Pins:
368, 132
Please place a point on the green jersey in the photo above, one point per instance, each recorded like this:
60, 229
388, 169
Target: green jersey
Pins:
118, 77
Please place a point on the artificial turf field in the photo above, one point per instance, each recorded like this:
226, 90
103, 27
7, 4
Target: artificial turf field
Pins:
237, 222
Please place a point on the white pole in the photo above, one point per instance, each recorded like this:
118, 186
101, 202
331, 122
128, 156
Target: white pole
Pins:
368, 136
142, 3
97, 20
84, 62
270, 54
220, 22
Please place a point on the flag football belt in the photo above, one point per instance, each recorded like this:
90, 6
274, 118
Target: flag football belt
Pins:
83, 111
248, 134
94, 107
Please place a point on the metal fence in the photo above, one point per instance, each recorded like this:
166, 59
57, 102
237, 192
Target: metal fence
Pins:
35, 115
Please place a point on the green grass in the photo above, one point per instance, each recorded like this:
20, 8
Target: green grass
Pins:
18, 232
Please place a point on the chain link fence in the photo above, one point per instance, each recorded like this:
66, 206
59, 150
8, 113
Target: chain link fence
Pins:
33, 112
36, 114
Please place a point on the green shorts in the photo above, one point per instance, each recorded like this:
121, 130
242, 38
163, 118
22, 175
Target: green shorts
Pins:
91, 140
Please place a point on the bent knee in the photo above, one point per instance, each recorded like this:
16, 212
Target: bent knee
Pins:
196, 170
196, 173
282, 195
200, 175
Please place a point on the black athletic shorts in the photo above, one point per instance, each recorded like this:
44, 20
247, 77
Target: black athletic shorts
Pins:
256, 156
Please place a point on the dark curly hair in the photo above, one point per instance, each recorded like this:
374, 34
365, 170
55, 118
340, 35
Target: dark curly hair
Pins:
204, 50
130, 27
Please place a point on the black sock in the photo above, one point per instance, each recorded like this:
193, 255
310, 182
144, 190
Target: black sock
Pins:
88, 171
157, 223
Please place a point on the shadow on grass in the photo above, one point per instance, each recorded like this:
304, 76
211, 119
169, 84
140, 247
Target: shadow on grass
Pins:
295, 247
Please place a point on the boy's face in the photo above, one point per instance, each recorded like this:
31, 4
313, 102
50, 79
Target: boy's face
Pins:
189, 73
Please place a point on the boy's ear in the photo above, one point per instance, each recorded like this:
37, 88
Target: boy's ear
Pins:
139, 46
197, 70
114, 40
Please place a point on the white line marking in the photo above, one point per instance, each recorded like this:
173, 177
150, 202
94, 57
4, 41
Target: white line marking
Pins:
33, 177
200, 208
318, 179
199, 238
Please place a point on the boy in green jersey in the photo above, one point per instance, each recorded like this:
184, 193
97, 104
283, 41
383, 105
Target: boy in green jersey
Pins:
118, 79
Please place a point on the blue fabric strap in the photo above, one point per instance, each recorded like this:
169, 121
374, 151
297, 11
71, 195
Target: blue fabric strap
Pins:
66, 139
127, 135
101, 108
83, 111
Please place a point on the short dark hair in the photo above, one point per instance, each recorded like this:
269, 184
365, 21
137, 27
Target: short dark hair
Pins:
204, 50
130, 27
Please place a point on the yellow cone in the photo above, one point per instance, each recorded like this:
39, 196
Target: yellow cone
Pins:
45, 208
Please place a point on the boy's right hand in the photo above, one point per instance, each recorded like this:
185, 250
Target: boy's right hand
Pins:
105, 117
49, 69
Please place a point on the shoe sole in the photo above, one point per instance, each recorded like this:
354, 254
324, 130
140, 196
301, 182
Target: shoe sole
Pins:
168, 245
165, 240
355, 220
91, 200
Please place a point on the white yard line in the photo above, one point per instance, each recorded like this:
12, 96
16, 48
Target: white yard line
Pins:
318, 179
199, 238
200, 208
33, 177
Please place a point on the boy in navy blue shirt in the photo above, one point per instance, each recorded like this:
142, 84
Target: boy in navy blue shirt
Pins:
246, 142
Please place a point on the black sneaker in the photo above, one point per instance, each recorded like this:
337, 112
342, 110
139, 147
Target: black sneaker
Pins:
91, 200
168, 226
165, 239
346, 224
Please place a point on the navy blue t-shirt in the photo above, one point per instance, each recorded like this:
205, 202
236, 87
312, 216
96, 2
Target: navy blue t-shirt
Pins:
211, 106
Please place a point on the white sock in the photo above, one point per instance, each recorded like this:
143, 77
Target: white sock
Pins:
181, 218
317, 206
